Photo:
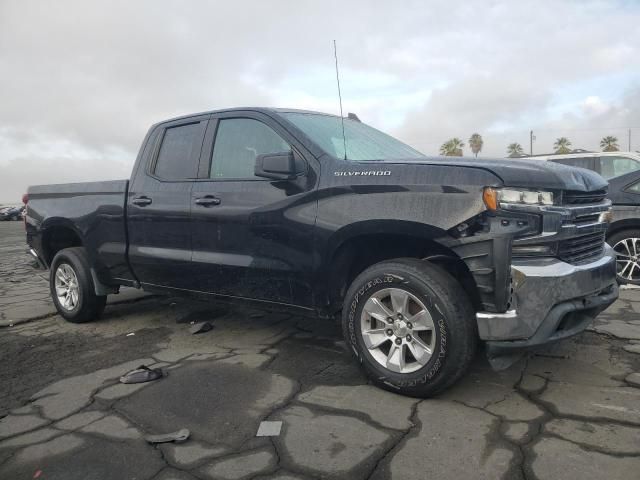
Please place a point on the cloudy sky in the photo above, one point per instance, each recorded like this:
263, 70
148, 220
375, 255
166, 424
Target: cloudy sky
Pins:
81, 81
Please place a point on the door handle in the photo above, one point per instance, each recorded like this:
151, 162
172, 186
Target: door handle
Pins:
207, 201
141, 201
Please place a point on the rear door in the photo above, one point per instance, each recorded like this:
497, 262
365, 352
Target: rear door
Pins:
159, 204
625, 189
252, 237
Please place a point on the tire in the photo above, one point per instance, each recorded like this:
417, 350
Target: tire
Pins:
84, 305
629, 253
452, 338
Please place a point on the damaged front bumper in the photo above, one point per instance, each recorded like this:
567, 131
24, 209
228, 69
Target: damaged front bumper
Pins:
551, 300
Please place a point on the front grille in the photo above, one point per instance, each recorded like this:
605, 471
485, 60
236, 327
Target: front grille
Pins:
581, 249
572, 197
586, 219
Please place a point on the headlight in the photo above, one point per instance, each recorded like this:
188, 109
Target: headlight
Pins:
496, 197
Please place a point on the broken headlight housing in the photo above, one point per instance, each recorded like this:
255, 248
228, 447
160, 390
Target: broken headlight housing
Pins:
495, 198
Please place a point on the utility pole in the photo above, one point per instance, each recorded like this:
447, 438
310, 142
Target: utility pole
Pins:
531, 139
629, 141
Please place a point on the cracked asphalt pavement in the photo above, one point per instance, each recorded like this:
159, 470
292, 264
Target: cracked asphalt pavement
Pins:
569, 411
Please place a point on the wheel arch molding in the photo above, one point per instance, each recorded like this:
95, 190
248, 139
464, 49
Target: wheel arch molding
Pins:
353, 248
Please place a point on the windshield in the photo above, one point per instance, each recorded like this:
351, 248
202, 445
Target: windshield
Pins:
363, 142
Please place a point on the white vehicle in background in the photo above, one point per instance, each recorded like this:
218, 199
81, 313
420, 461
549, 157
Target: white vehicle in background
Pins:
607, 164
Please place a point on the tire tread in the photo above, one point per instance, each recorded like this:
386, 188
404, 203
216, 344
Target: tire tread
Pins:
92, 305
463, 319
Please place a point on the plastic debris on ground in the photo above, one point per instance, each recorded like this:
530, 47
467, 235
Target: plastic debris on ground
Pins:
142, 374
269, 429
176, 437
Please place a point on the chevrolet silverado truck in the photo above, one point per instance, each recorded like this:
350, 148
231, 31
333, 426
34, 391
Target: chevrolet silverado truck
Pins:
419, 258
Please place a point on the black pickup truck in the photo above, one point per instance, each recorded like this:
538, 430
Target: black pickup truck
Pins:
419, 257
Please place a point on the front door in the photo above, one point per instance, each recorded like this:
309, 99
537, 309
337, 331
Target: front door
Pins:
159, 205
252, 237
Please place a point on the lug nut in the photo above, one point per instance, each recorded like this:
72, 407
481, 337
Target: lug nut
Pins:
389, 319
398, 341
409, 338
409, 325
400, 316
389, 332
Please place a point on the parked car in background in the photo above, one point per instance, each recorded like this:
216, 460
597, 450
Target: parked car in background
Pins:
622, 170
607, 164
11, 213
624, 232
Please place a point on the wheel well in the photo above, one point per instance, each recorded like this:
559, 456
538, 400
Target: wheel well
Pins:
56, 238
357, 254
619, 226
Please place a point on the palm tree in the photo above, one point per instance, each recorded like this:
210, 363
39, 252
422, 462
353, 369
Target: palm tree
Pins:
562, 145
476, 142
452, 148
515, 150
609, 144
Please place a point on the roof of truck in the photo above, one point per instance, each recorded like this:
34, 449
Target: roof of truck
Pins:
266, 110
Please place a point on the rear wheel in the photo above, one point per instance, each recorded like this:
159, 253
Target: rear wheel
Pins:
626, 245
410, 325
72, 286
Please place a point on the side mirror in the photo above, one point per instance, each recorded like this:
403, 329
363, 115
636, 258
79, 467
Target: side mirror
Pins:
276, 166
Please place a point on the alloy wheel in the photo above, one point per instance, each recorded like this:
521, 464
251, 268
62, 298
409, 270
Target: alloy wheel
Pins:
628, 259
398, 330
67, 289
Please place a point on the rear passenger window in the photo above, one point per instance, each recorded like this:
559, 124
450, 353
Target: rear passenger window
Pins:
615, 166
238, 142
179, 152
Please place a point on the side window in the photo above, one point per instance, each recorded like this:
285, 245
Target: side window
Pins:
238, 142
615, 166
581, 162
179, 152
633, 188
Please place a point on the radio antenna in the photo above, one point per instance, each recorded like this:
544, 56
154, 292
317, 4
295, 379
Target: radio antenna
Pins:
344, 137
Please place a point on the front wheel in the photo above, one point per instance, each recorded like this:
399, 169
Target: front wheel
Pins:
410, 325
626, 245
72, 286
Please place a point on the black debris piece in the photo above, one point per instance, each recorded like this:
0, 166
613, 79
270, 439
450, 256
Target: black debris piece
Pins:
201, 327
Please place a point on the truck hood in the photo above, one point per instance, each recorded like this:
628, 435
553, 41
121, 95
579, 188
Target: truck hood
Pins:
523, 173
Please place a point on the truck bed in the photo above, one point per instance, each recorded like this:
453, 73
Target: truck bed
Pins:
94, 210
